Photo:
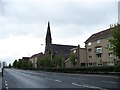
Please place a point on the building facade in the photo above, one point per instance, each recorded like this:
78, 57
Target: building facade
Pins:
99, 51
81, 58
34, 58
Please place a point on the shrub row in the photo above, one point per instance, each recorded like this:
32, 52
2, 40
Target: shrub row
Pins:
98, 69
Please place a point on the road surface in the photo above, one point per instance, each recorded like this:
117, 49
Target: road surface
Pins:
26, 79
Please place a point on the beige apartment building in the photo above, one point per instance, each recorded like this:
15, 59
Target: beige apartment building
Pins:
81, 58
98, 49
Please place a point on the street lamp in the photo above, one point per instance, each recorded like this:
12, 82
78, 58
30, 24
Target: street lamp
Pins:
78, 56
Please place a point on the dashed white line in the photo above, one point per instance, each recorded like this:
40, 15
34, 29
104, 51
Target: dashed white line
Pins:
108, 82
6, 88
48, 78
76, 84
57, 80
5, 81
95, 87
88, 86
6, 85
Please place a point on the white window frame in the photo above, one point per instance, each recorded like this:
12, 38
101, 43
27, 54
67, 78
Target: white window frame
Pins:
98, 41
89, 44
99, 50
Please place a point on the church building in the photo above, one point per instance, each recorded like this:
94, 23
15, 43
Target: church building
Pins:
53, 49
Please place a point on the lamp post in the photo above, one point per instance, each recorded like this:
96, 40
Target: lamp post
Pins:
78, 55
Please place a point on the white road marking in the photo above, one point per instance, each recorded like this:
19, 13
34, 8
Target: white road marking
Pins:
88, 86
48, 78
57, 80
6, 85
108, 82
76, 84
92, 75
6, 88
5, 81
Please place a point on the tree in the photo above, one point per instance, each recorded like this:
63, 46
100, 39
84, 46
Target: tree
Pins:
40, 62
15, 64
58, 60
10, 65
44, 61
47, 61
73, 59
115, 40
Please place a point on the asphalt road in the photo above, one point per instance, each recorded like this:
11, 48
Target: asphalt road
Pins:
26, 79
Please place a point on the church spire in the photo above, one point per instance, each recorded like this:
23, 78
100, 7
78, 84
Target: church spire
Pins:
48, 40
48, 35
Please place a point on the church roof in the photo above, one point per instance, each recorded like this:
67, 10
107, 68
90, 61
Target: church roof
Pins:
62, 49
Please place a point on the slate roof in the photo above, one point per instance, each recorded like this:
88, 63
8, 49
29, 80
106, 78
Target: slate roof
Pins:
99, 35
62, 49
26, 58
36, 55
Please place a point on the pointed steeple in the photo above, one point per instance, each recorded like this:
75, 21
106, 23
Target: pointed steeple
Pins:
48, 40
48, 35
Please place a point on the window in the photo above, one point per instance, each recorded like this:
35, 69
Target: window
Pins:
99, 50
90, 64
109, 46
74, 51
98, 41
110, 54
100, 63
89, 50
90, 57
89, 43
98, 55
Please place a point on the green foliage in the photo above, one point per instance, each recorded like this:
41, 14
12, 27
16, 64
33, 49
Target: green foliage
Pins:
96, 69
44, 61
15, 64
58, 60
22, 64
73, 58
115, 40
40, 62
10, 65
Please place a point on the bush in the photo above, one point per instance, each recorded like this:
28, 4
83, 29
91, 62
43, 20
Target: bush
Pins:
97, 69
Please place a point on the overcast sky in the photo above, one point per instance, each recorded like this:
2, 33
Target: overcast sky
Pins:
23, 23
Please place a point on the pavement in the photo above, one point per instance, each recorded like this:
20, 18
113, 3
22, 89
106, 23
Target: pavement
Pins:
27, 79
0, 82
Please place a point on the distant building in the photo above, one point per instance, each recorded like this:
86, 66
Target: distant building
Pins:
53, 49
98, 52
81, 58
34, 58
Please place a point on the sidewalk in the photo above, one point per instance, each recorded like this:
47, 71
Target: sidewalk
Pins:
0, 82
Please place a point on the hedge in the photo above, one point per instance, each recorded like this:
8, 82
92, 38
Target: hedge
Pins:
97, 69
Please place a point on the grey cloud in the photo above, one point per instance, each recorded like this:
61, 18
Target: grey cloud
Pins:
64, 15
